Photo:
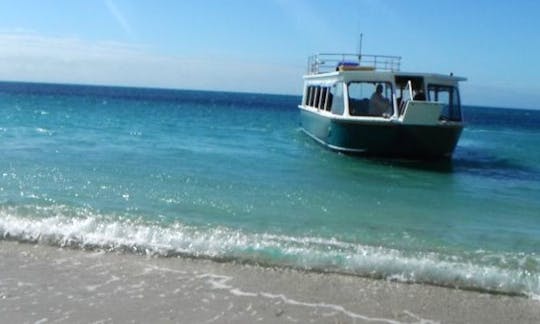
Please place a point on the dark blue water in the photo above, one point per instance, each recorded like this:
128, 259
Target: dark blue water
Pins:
230, 176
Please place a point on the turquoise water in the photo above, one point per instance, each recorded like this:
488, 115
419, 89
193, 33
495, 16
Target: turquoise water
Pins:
229, 176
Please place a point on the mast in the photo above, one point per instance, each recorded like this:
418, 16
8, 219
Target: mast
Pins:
360, 49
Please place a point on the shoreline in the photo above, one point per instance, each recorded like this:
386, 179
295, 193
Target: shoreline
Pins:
40, 283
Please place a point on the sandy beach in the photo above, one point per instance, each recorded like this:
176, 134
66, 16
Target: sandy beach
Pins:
41, 284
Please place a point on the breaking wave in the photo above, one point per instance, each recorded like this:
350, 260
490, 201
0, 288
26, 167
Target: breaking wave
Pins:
83, 228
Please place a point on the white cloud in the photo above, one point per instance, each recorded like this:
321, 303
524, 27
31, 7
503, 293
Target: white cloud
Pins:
27, 56
32, 57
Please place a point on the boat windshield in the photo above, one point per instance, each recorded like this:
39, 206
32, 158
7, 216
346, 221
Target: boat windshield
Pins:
370, 98
449, 97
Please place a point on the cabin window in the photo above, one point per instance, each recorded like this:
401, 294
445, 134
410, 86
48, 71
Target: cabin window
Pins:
319, 97
449, 97
329, 98
370, 99
317, 102
337, 105
308, 95
312, 97
322, 98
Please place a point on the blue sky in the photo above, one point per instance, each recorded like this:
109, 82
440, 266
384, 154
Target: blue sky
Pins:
262, 46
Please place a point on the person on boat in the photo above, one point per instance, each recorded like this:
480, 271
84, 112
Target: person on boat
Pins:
420, 96
378, 104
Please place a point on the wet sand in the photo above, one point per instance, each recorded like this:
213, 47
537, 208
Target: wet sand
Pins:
40, 284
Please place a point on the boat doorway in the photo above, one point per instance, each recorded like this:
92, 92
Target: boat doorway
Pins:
409, 88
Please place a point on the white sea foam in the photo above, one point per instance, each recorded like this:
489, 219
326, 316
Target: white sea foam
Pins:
43, 131
222, 283
61, 225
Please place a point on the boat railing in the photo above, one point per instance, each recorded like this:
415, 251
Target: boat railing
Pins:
328, 62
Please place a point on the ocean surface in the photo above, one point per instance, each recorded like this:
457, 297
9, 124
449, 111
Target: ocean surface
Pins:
229, 176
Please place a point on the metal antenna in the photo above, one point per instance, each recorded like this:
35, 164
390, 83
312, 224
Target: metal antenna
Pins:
360, 48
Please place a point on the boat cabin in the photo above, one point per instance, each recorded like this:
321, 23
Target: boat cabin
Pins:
340, 86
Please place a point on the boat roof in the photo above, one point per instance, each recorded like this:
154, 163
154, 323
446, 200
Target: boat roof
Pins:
362, 67
379, 76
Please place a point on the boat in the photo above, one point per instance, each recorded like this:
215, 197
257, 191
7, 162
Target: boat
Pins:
363, 104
